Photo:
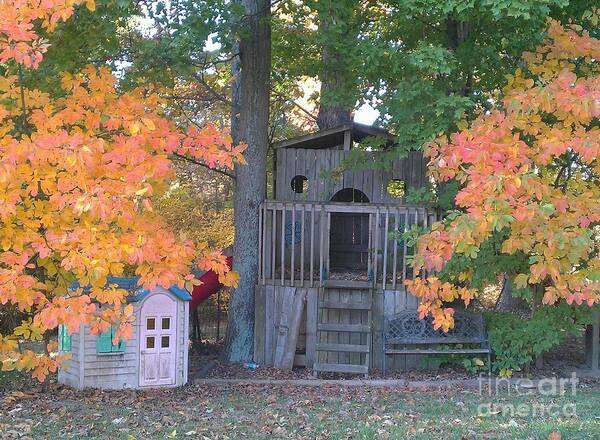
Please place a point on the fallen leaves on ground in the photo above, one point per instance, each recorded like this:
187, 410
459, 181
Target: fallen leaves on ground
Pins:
272, 412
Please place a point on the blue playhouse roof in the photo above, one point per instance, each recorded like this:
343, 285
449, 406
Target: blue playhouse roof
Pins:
137, 293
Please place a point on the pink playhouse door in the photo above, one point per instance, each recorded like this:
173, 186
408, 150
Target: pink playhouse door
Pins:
158, 342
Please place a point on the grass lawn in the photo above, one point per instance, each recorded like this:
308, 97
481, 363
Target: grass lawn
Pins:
263, 412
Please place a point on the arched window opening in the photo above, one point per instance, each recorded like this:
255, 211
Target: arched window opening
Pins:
350, 195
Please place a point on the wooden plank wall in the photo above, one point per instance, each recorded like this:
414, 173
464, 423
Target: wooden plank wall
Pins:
387, 303
293, 305
269, 313
311, 163
68, 373
112, 370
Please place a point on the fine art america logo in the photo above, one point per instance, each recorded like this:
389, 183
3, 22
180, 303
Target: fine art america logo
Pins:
498, 389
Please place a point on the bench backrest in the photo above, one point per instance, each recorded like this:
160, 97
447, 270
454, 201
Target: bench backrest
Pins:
406, 328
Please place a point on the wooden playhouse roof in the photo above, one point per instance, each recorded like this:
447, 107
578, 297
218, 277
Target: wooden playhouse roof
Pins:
334, 137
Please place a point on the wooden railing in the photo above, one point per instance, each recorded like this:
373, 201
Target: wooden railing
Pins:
295, 243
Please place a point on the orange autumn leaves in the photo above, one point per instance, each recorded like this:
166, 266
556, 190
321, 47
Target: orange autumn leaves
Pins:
18, 38
77, 175
529, 166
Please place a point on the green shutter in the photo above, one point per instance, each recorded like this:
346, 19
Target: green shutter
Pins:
104, 343
64, 339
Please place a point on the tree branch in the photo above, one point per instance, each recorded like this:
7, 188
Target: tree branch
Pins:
200, 78
197, 162
24, 122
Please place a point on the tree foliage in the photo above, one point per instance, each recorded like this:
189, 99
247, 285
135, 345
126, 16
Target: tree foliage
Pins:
529, 173
433, 63
424, 64
77, 174
206, 222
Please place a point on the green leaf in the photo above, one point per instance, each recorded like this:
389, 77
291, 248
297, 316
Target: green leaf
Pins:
521, 280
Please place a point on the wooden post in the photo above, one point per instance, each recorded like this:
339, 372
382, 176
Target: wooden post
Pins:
264, 244
273, 244
261, 248
375, 253
302, 246
322, 229
404, 247
293, 240
328, 239
312, 245
283, 246
370, 253
347, 140
370, 332
395, 264
385, 244
425, 225
414, 275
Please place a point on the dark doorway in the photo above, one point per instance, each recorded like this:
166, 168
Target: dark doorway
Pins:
349, 236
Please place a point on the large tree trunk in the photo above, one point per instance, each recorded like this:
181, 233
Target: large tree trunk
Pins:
331, 114
255, 63
336, 103
506, 301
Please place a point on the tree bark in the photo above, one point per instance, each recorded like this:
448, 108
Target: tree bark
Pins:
506, 301
250, 191
457, 33
331, 114
334, 77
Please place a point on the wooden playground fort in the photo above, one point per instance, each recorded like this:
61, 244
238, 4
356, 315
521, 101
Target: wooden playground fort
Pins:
332, 259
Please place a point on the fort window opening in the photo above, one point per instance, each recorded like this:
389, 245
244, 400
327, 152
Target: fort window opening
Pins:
299, 184
396, 188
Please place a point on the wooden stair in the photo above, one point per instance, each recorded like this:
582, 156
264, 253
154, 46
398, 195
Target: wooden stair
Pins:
346, 348
350, 304
354, 305
342, 368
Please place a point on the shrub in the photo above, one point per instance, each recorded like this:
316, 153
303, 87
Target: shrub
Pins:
517, 341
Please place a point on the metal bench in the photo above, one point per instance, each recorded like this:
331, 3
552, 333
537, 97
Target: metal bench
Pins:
406, 328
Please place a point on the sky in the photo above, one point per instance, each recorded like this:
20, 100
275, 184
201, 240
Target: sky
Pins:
366, 114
